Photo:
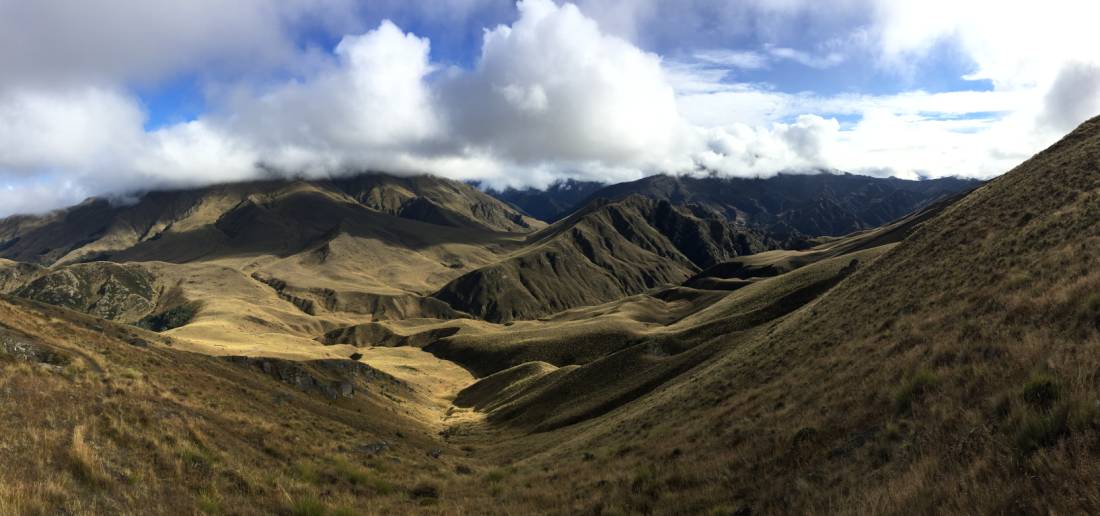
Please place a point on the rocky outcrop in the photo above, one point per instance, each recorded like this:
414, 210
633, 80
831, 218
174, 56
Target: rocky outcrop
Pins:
124, 293
333, 379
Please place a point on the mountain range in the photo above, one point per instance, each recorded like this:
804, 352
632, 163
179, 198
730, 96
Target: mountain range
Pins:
804, 343
790, 206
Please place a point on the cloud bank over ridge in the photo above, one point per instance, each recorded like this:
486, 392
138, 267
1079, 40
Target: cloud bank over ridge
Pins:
561, 91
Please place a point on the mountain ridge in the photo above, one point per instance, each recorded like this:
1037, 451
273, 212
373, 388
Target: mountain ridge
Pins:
793, 206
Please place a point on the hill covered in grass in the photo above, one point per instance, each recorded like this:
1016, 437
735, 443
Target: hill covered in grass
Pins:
638, 356
603, 252
955, 373
99, 418
214, 219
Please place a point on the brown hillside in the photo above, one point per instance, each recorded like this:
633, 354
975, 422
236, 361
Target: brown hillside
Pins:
111, 420
215, 217
604, 252
955, 374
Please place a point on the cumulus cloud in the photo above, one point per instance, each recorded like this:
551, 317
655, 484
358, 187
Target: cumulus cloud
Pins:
65, 130
555, 90
373, 100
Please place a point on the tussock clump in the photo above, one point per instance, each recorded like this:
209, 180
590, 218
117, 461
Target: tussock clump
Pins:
914, 389
82, 457
425, 491
1042, 390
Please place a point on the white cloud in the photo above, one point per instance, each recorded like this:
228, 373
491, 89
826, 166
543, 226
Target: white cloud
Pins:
553, 94
743, 150
371, 103
827, 60
75, 41
69, 129
553, 88
743, 59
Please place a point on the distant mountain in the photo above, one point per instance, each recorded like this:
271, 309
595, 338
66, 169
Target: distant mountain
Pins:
304, 334
556, 201
277, 216
367, 246
786, 206
603, 252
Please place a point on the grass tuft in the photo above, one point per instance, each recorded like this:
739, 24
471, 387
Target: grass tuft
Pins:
912, 390
1042, 390
308, 506
82, 459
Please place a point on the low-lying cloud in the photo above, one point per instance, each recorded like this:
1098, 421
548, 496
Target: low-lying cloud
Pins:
551, 95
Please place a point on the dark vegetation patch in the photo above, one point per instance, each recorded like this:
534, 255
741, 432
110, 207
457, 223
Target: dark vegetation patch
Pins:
171, 318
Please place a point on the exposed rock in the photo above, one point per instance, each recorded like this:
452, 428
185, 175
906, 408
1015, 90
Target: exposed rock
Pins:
25, 350
123, 293
333, 379
375, 448
14, 275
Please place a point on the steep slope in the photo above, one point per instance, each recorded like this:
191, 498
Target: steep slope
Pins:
125, 293
954, 374
606, 251
99, 418
13, 275
435, 200
790, 206
552, 203
265, 267
743, 270
98, 229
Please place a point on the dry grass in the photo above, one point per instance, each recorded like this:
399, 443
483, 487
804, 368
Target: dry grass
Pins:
956, 372
154, 430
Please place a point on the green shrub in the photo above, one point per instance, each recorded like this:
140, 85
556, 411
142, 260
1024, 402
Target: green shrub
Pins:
308, 506
495, 476
342, 470
169, 319
1088, 311
1036, 430
208, 503
425, 490
913, 389
1042, 428
1042, 390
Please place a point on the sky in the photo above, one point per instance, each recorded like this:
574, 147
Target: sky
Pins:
114, 97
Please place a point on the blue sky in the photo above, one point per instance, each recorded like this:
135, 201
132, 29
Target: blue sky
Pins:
940, 69
527, 93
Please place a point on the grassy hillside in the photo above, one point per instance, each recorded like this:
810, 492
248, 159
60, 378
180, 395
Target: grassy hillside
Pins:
112, 420
642, 363
212, 219
955, 374
601, 253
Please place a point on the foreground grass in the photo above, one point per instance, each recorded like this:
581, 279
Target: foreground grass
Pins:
111, 428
